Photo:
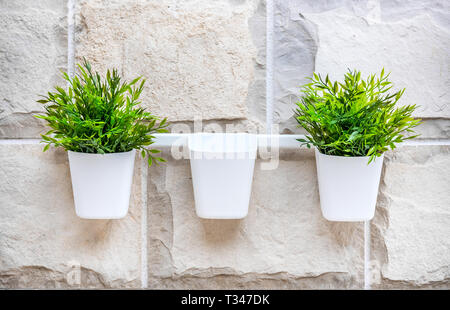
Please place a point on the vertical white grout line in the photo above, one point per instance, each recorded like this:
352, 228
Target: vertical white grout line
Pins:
367, 255
144, 223
70, 37
269, 64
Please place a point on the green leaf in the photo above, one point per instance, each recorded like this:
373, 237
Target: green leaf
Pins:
99, 114
353, 117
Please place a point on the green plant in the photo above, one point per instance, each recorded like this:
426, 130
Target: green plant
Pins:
355, 118
100, 116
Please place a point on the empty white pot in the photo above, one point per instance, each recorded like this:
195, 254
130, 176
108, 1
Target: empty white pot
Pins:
101, 183
348, 186
222, 172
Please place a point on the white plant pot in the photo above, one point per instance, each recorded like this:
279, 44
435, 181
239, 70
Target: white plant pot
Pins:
222, 172
101, 183
348, 186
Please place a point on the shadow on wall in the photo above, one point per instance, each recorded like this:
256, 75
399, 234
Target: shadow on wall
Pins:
221, 232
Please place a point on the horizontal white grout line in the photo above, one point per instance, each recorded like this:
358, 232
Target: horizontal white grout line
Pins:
427, 142
20, 141
284, 141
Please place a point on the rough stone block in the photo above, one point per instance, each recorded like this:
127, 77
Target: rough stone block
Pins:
433, 129
284, 242
33, 50
415, 50
42, 241
256, 98
409, 38
197, 57
410, 233
295, 48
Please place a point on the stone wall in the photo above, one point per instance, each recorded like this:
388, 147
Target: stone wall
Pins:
206, 59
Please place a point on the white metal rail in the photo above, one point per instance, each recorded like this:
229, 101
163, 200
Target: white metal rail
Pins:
283, 141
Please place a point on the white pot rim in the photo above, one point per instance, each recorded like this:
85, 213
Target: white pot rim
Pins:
344, 157
101, 155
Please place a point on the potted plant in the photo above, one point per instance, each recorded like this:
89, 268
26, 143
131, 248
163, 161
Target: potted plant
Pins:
99, 122
222, 167
351, 124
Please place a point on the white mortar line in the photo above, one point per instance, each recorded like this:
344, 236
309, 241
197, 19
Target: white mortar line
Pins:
144, 225
269, 64
19, 141
367, 255
70, 37
426, 142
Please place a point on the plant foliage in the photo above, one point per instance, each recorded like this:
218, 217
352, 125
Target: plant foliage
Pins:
354, 118
100, 116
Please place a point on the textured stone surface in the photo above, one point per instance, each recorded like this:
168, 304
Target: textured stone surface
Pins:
283, 242
433, 129
393, 10
207, 59
197, 56
295, 48
256, 98
415, 50
33, 50
41, 236
386, 10
411, 247
409, 38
